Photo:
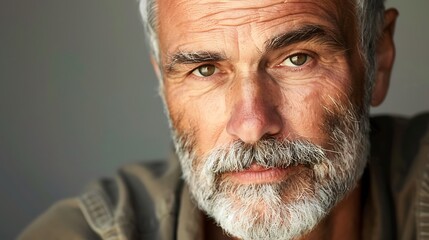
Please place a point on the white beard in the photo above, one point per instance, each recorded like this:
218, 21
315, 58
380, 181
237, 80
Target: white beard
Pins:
284, 210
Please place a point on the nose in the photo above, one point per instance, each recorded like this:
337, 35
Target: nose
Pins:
255, 112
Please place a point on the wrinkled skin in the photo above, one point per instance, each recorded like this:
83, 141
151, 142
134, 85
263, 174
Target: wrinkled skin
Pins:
254, 90
254, 93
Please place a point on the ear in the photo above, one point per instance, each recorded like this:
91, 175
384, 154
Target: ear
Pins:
385, 55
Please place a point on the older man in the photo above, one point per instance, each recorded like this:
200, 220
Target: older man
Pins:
268, 103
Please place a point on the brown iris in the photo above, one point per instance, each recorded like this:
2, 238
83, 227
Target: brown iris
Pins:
298, 59
206, 70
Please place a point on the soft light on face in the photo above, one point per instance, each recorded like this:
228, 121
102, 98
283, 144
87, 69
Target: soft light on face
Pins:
264, 84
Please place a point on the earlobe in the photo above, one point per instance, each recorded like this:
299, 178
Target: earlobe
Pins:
385, 55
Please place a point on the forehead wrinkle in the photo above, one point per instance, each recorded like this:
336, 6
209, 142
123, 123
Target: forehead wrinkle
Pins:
279, 15
226, 13
326, 9
192, 41
233, 13
228, 17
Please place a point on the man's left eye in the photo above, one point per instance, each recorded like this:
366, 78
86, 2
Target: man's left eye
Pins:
296, 60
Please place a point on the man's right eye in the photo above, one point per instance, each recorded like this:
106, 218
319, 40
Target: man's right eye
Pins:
205, 70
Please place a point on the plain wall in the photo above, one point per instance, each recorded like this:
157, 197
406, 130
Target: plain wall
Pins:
78, 97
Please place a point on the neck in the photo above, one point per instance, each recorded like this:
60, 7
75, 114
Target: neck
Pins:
343, 222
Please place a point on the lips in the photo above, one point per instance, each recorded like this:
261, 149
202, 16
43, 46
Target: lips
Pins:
258, 174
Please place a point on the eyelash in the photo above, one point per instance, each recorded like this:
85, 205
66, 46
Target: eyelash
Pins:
213, 77
310, 58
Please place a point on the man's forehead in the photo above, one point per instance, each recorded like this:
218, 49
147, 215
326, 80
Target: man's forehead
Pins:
183, 20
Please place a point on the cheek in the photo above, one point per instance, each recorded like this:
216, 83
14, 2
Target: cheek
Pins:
304, 108
302, 114
212, 119
203, 115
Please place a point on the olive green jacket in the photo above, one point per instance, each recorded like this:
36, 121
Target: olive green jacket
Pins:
151, 201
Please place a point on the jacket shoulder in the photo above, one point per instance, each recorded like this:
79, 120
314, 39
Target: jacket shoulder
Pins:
398, 142
139, 201
64, 220
400, 157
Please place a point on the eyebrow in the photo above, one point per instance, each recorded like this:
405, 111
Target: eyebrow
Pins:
183, 57
303, 34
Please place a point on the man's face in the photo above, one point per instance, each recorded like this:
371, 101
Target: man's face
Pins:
266, 105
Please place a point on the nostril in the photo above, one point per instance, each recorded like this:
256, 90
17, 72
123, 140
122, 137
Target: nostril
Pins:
249, 129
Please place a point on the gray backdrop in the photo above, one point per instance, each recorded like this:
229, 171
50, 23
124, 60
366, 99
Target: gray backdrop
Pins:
78, 96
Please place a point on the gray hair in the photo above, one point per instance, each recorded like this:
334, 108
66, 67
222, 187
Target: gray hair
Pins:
148, 11
370, 18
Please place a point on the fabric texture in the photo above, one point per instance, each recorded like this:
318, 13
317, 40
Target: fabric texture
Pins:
151, 201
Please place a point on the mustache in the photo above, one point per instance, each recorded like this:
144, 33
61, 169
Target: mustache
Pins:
269, 153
